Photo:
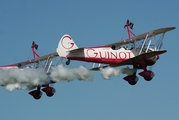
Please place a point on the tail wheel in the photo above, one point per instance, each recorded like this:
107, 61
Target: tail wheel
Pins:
68, 62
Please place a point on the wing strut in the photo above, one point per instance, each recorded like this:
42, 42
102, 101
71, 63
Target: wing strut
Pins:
143, 44
160, 42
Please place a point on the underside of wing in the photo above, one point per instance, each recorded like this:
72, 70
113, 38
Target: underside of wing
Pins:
133, 60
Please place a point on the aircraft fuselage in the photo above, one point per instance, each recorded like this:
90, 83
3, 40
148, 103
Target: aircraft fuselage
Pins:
104, 55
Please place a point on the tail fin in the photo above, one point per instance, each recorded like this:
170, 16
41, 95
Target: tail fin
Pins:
65, 44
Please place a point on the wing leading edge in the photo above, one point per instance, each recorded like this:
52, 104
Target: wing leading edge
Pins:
142, 36
36, 60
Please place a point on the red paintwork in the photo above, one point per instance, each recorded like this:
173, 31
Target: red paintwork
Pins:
67, 37
150, 62
146, 74
131, 79
9, 66
98, 60
49, 91
36, 94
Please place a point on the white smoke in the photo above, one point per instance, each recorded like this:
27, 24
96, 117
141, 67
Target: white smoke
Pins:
109, 72
60, 73
27, 78
128, 71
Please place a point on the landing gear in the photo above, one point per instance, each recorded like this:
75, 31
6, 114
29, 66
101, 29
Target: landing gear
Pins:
131, 79
36, 93
146, 74
49, 90
68, 62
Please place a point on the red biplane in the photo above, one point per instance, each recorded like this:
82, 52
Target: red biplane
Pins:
139, 51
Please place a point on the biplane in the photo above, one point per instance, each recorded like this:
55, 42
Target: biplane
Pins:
44, 62
139, 51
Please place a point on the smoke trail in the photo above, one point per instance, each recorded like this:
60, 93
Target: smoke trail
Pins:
109, 72
128, 71
60, 73
25, 79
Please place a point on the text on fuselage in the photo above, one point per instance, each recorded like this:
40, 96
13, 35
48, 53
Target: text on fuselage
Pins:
92, 53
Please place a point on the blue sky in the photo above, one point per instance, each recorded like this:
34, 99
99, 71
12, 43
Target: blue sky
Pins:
90, 23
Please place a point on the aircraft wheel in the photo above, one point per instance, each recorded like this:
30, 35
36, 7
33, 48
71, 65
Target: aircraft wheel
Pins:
147, 79
133, 81
49, 91
152, 74
68, 62
37, 97
36, 94
147, 75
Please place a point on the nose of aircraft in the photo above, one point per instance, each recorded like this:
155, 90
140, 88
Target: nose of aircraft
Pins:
157, 57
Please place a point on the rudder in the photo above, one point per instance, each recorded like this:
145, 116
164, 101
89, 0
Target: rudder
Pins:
65, 44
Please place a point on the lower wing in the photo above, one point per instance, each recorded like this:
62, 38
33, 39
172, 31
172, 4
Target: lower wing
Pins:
133, 60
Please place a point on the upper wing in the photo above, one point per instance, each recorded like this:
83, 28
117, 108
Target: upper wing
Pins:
133, 60
142, 36
42, 58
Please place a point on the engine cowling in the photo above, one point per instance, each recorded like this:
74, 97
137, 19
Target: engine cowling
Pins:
49, 91
36, 94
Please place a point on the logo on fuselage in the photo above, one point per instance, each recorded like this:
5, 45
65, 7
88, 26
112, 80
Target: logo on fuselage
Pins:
93, 53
